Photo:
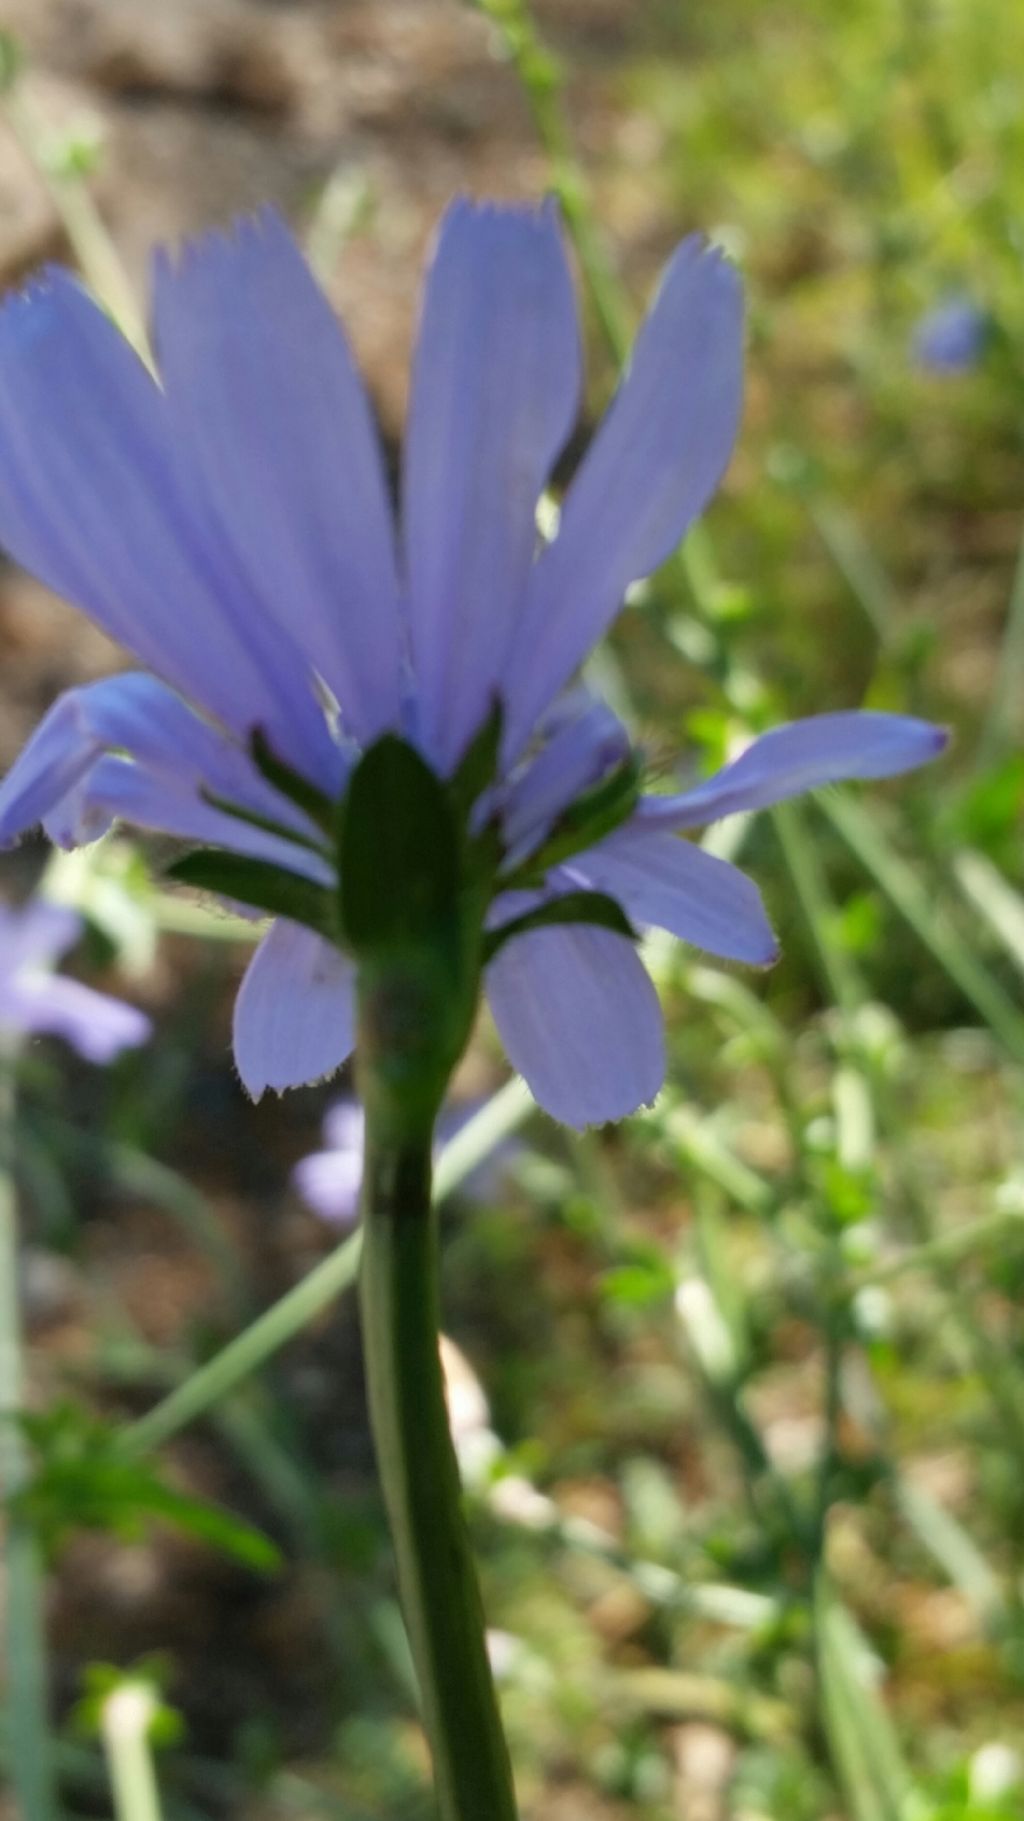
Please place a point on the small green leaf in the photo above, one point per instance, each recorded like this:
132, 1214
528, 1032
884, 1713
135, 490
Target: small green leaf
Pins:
82, 1479
209, 1523
291, 783
637, 1286
595, 908
101, 1682
478, 766
597, 813
267, 824
257, 883
400, 874
411, 912
606, 804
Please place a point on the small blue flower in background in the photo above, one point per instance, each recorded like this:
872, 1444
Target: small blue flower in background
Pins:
329, 1180
34, 1001
950, 338
231, 526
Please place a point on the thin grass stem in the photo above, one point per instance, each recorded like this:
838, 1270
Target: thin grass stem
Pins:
911, 897
31, 1757
488, 1128
87, 233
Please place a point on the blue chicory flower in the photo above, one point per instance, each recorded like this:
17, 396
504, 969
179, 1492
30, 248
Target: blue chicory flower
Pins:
230, 524
35, 1001
950, 337
329, 1180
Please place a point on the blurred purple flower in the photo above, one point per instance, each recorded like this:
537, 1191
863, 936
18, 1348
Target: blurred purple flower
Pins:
951, 336
36, 1001
231, 526
329, 1180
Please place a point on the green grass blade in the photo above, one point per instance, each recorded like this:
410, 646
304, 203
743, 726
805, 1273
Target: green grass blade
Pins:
912, 898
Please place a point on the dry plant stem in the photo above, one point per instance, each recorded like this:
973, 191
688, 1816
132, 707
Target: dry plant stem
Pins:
420, 1479
31, 1759
125, 1722
81, 220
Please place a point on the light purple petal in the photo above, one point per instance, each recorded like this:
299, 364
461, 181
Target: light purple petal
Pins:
121, 790
587, 743
295, 1015
135, 714
270, 410
74, 820
580, 1020
496, 390
94, 502
329, 1182
344, 1127
98, 1027
52, 762
664, 880
799, 756
35, 934
654, 463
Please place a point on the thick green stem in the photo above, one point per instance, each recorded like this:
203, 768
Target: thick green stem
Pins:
420, 1478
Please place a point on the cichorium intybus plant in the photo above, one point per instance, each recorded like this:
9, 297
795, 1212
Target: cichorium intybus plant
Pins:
374, 734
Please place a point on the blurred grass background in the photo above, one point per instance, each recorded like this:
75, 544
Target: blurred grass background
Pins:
749, 1494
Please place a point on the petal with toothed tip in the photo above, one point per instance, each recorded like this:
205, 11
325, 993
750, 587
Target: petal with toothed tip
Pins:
579, 1018
269, 410
95, 501
295, 1015
94, 1024
495, 393
666, 882
653, 465
801, 756
134, 714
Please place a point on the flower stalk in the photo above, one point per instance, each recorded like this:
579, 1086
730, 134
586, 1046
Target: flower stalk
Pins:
419, 1474
413, 891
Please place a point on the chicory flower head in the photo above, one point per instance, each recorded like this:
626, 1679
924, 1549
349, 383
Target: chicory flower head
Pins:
951, 336
229, 523
329, 1180
35, 1001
